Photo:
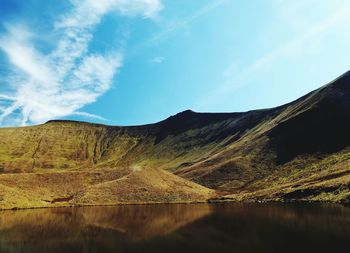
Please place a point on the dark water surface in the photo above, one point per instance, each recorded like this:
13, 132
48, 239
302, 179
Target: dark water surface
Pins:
178, 228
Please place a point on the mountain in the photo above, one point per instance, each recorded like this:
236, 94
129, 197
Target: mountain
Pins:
298, 151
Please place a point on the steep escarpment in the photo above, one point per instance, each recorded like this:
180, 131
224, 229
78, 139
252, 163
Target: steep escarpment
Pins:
298, 151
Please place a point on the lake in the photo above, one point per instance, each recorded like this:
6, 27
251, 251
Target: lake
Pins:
178, 228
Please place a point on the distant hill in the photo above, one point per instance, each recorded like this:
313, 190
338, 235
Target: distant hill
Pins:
298, 151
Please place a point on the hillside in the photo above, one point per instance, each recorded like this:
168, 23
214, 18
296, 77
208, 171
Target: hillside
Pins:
298, 151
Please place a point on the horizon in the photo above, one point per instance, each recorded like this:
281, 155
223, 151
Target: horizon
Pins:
178, 113
138, 62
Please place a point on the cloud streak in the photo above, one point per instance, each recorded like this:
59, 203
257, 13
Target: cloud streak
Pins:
235, 79
171, 28
64, 80
157, 60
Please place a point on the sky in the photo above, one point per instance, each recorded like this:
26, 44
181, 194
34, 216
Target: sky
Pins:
132, 62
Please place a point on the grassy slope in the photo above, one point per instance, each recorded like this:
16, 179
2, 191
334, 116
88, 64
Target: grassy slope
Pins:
296, 151
100, 187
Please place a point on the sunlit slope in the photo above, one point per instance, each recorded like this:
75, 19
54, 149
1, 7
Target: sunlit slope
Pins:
102, 187
179, 141
262, 154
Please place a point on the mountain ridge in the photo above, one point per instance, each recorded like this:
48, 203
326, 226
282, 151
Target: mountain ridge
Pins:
267, 154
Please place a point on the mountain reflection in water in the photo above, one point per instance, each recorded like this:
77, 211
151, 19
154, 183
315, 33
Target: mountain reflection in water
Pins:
178, 228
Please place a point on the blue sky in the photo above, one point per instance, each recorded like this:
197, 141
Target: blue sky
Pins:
130, 62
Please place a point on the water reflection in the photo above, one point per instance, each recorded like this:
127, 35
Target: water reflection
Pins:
178, 228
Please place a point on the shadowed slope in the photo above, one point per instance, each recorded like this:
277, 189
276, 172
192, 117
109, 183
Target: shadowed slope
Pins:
321, 123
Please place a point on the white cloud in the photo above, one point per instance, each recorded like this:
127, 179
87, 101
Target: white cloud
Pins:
157, 60
90, 11
61, 82
5, 97
89, 115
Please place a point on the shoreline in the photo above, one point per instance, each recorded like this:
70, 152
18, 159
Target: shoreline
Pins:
210, 202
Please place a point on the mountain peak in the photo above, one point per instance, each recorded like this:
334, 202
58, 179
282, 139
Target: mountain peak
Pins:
186, 112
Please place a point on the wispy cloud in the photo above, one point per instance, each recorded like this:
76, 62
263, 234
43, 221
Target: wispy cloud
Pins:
184, 23
236, 77
157, 60
61, 82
